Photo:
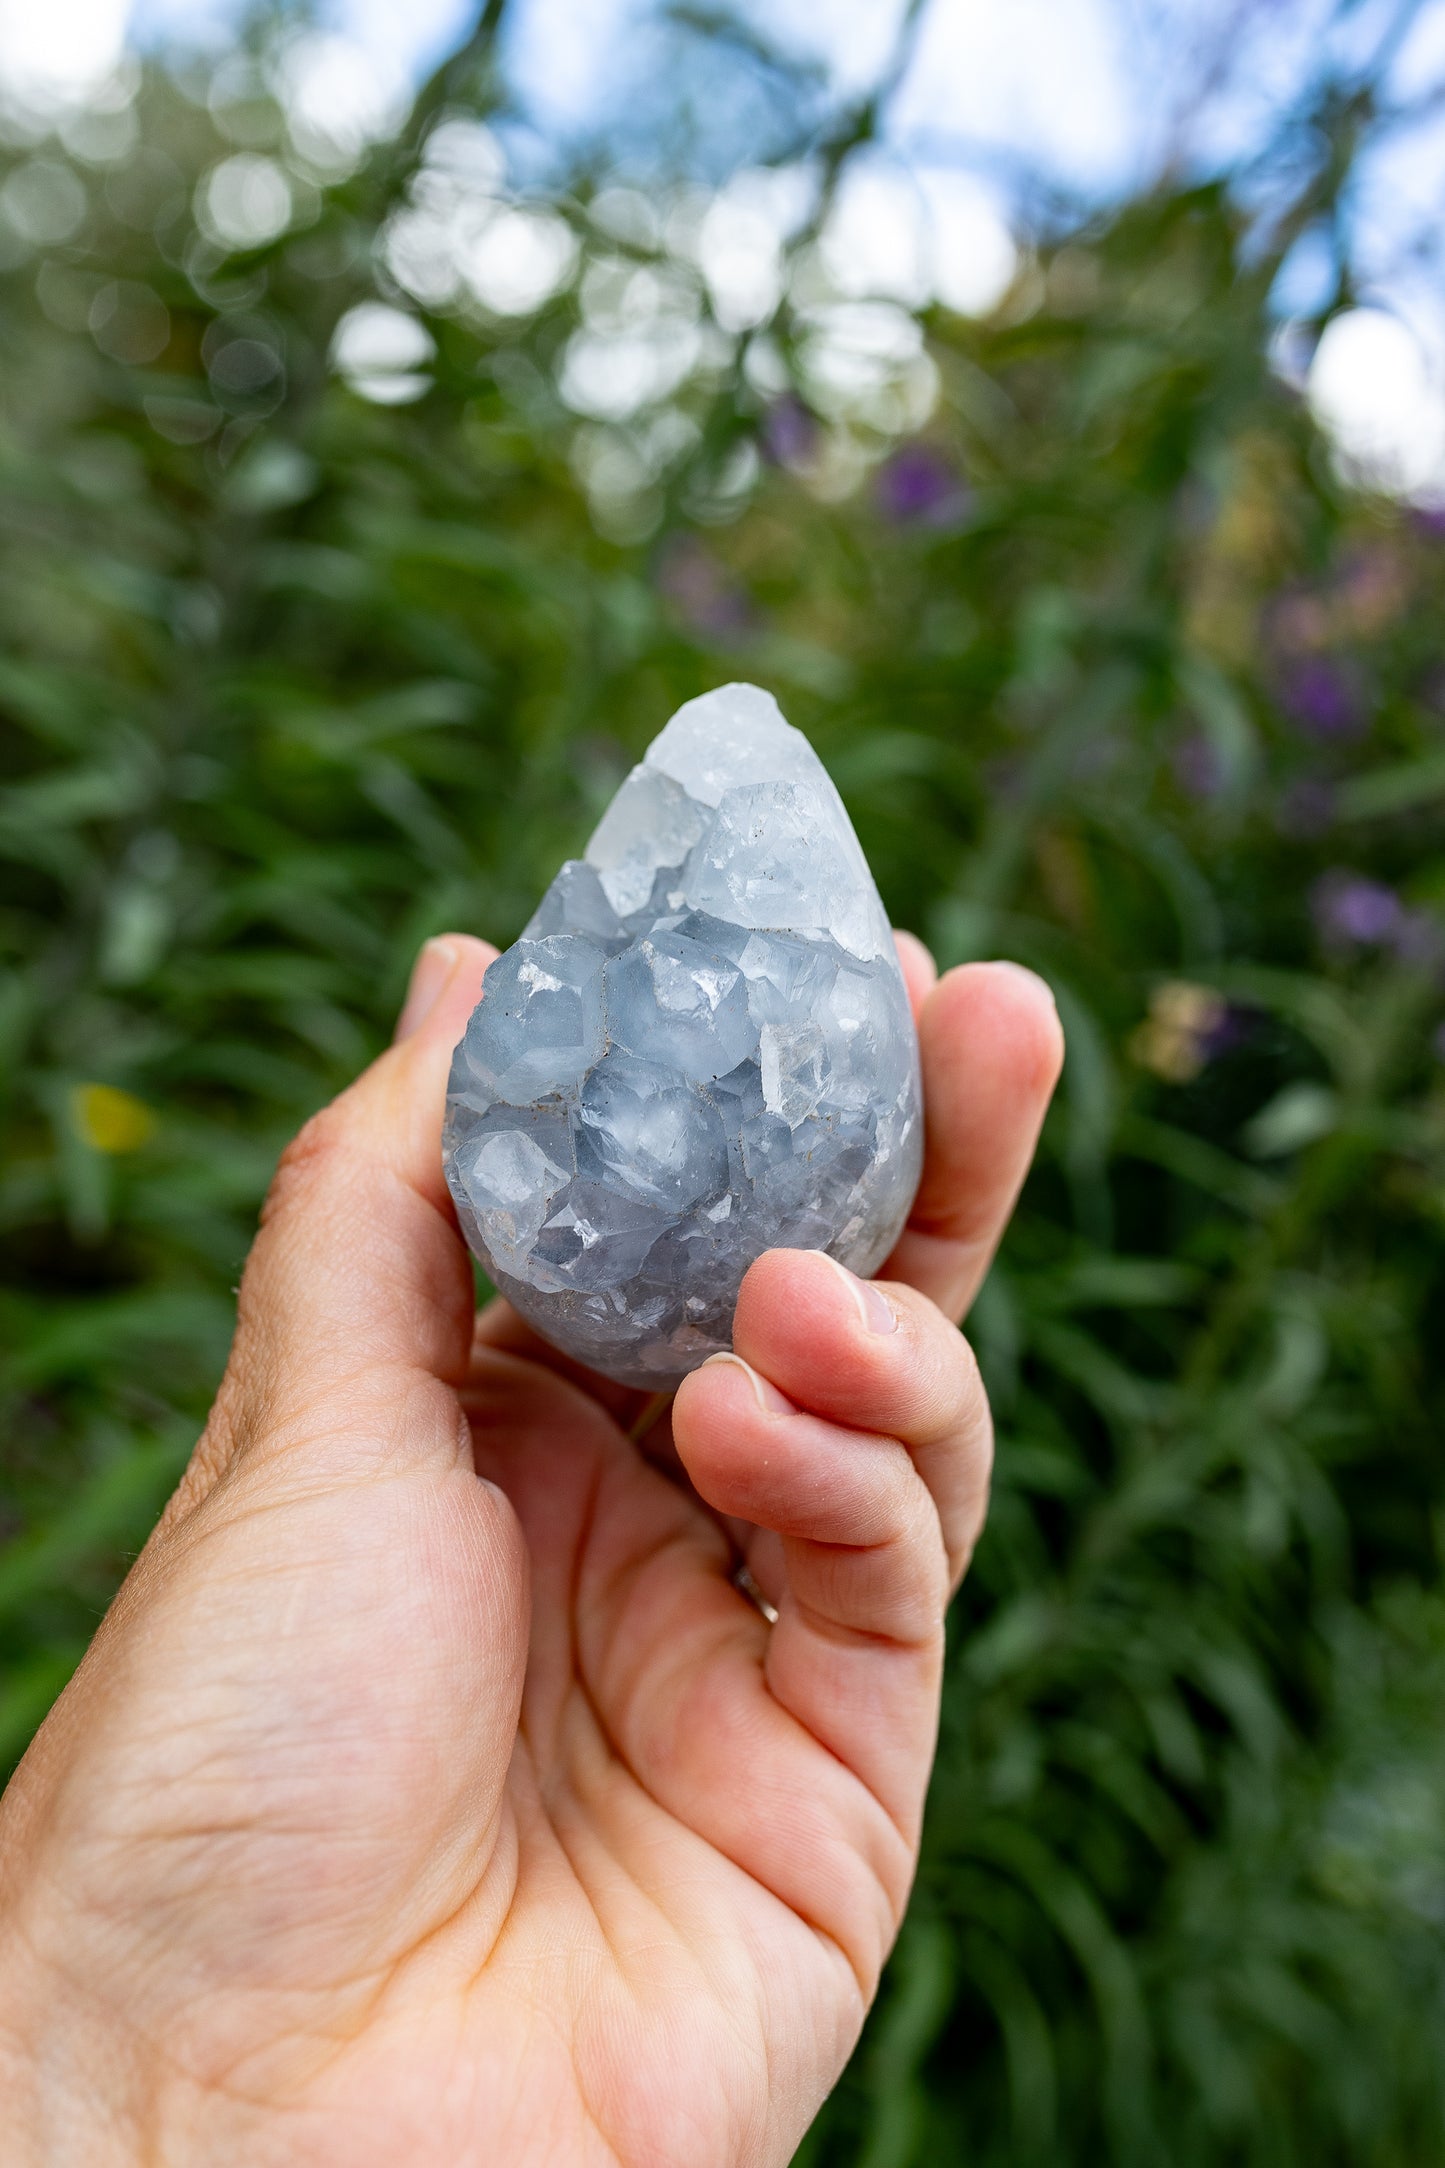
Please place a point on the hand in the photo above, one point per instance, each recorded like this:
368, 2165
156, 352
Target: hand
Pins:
402, 1817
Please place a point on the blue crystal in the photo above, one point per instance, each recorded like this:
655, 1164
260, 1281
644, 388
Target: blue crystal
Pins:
700, 1049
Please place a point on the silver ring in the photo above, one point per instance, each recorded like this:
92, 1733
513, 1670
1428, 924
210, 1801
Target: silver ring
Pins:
744, 1583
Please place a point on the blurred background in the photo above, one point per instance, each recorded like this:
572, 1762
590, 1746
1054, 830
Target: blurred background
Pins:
401, 411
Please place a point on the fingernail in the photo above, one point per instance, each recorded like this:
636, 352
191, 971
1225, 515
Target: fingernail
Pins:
768, 1398
429, 974
875, 1311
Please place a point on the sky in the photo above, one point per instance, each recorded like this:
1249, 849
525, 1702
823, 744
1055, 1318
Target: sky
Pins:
1077, 99
1077, 90
1071, 86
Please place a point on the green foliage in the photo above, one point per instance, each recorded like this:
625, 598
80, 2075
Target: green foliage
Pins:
1117, 680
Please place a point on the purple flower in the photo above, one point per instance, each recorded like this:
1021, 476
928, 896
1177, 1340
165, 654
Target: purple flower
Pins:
1430, 522
789, 432
704, 591
917, 488
1325, 698
1350, 908
1353, 911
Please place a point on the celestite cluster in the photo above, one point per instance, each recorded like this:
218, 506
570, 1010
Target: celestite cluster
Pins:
700, 1049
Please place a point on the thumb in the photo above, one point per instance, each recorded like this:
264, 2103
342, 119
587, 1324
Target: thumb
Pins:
357, 1271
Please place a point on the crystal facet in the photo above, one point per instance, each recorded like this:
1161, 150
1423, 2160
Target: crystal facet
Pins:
700, 1049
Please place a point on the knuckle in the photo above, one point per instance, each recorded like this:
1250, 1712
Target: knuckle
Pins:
929, 1549
311, 1152
970, 1512
230, 1431
960, 1553
967, 1378
903, 1585
946, 1385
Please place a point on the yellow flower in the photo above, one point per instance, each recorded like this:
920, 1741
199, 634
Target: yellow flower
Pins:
110, 1120
1175, 1036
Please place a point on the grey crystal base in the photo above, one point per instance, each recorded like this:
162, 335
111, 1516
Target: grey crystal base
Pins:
700, 1049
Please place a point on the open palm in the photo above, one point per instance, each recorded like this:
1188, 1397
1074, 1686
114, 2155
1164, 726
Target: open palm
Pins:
398, 1816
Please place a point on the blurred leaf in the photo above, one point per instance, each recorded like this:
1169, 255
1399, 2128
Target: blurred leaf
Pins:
1299, 1115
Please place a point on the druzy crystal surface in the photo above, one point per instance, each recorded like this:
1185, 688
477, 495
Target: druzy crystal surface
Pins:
700, 1049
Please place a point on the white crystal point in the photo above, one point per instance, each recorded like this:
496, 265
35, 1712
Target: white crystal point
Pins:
736, 734
700, 1049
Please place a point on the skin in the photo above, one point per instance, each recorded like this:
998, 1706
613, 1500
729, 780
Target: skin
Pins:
431, 1794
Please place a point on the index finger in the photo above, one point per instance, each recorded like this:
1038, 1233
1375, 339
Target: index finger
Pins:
992, 1049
